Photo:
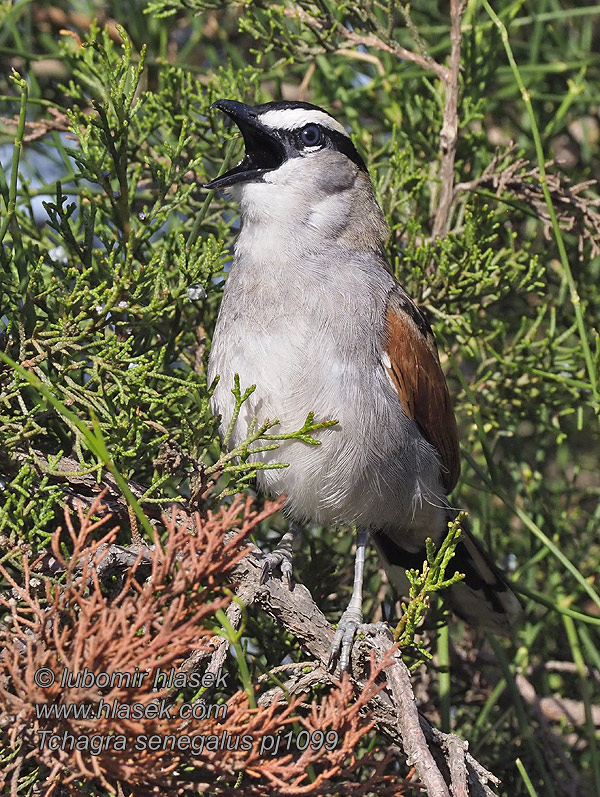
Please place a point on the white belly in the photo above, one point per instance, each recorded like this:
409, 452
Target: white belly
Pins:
373, 467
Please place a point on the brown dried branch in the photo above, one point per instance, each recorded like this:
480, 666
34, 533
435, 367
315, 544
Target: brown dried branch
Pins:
566, 777
367, 40
152, 625
518, 179
40, 128
449, 75
449, 132
413, 738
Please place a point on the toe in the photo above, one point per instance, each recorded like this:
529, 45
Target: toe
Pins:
265, 570
344, 639
347, 642
273, 561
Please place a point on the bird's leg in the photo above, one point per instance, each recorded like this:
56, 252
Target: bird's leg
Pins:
352, 617
281, 557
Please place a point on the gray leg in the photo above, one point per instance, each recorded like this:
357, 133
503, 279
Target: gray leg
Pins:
281, 557
352, 617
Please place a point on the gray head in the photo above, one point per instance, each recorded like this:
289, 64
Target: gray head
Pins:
300, 168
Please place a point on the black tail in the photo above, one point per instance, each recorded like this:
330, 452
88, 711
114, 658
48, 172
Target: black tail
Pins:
484, 598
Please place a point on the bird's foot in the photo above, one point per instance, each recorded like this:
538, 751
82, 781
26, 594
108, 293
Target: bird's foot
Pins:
279, 559
350, 626
341, 646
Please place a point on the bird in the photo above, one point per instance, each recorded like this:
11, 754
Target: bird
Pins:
313, 316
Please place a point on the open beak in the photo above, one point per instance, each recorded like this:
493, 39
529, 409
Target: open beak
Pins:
264, 151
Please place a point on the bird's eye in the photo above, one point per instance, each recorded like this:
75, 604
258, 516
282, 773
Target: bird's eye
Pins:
310, 135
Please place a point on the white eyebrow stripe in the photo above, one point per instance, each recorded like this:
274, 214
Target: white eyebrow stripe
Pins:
295, 118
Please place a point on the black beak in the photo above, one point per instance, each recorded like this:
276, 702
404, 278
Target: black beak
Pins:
264, 150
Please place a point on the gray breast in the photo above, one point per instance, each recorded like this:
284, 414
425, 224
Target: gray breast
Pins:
311, 342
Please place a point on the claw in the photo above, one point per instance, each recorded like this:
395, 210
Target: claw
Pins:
280, 558
349, 627
286, 572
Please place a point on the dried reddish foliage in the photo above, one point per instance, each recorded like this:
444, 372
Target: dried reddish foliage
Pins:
155, 622
339, 712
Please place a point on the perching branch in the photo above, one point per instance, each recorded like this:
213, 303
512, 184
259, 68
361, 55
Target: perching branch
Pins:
440, 760
435, 755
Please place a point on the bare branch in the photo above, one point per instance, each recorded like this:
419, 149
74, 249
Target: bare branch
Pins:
543, 709
393, 710
517, 178
413, 738
370, 40
458, 769
449, 132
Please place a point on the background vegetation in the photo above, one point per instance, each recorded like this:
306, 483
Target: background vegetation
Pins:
112, 259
